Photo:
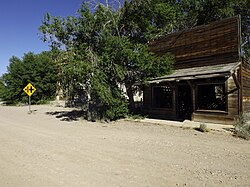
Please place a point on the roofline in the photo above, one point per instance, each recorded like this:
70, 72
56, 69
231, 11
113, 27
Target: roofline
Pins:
196, 76
198, 27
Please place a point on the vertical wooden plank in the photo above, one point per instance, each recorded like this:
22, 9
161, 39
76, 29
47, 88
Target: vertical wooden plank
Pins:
233, 104
193, 92
245, 86
240, 91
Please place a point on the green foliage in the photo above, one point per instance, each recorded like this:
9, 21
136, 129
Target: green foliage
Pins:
96, 58
144, 20
242, 126
136, 117
2, 88
107, 100
39, 70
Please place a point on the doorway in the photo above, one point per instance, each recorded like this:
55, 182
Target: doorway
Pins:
184, 102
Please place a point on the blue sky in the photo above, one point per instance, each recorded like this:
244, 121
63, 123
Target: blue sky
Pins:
20, 20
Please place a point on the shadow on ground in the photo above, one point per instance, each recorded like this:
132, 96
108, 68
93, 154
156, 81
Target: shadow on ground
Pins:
229, 129
73, 115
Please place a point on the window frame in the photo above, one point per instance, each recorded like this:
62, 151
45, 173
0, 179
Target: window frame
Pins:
211, 110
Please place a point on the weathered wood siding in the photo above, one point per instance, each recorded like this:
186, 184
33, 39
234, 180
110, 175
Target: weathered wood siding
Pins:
161, 113
233, 98
213, 118
210, 44
245, 73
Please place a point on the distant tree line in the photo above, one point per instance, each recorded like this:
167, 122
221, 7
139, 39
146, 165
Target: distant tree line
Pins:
105, 47
37, 69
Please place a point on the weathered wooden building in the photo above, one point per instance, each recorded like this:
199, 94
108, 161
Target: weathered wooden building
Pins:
210, 81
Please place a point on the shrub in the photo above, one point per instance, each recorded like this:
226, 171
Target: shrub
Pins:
242, 126
203, 127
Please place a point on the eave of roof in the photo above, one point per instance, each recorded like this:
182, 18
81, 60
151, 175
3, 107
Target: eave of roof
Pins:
199, 72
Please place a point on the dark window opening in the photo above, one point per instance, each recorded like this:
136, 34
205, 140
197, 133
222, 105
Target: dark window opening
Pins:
211, 97
162, 97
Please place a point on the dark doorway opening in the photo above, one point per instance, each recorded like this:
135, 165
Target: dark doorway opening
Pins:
184, 102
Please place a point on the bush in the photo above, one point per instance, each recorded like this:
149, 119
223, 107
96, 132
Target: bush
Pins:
242, 126
203, 127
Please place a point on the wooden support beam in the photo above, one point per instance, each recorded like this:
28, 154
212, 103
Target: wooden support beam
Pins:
190, 83
192, 87
231, 91
170, 85
236, 81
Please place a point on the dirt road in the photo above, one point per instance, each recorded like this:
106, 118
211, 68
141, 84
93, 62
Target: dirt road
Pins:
51, 148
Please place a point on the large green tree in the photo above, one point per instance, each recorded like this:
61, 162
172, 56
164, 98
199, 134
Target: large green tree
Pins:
100, 57
2, 88
144, 20
38, 69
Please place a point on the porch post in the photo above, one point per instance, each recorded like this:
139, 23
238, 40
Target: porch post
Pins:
192, 86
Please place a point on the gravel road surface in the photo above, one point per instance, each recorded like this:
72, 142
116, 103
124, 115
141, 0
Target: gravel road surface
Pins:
54, 147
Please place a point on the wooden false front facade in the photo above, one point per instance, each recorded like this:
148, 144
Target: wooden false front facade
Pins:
210, 81
245, 82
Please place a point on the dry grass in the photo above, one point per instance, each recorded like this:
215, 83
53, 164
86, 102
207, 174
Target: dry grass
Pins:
242, 126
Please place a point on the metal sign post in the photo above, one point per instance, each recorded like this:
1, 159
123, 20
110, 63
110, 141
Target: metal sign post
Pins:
29, 104
29, 90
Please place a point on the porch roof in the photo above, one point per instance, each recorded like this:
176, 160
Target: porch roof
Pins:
199, 73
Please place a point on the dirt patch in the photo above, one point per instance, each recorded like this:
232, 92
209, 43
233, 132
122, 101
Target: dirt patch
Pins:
41, 149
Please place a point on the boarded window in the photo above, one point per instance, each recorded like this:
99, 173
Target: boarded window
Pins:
211, 97
162, 97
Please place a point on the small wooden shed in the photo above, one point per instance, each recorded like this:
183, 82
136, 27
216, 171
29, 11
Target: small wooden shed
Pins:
210, 81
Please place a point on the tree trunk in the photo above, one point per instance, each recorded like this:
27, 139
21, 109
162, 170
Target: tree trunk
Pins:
130, 97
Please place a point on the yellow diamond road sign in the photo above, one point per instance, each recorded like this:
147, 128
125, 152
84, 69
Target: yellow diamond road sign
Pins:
29, 89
